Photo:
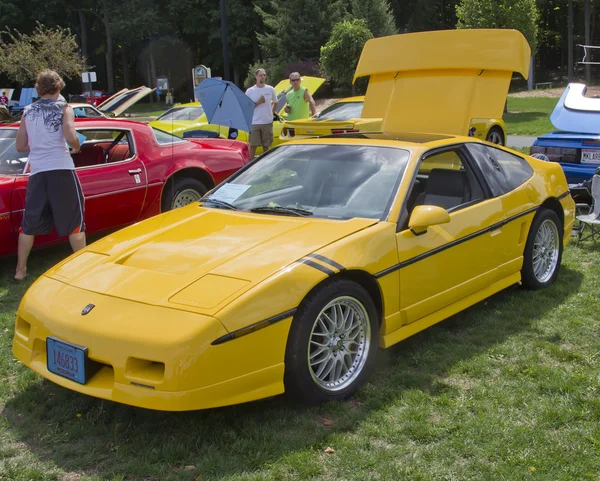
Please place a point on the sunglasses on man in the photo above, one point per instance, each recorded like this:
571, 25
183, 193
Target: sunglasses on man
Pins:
294, 80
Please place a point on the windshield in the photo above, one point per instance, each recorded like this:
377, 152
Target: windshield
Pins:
182, 113
342, 111
11, 161
331, 181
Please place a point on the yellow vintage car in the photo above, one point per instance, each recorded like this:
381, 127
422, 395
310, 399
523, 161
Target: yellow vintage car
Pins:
295, 271
190, 116
344, 116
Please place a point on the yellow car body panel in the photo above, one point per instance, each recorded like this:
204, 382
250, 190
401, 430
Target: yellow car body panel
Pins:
192, 309
178, 127
321, 124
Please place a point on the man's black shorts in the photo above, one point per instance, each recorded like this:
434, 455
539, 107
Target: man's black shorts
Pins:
54, 198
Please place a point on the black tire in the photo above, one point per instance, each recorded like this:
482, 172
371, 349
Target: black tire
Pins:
298, 379
549, 219
176, 186
496, 136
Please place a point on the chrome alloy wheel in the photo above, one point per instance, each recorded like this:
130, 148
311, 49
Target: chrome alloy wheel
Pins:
545, 251
494, 137
185, 197
339, 344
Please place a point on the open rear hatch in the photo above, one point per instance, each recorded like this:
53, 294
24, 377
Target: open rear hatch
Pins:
575, 112
439, 81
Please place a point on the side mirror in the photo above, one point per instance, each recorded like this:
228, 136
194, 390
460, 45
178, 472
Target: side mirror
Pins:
424, 216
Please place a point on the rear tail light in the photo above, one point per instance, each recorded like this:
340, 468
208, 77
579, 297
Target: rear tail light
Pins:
556, 154
591, 142
291, 132
343, 131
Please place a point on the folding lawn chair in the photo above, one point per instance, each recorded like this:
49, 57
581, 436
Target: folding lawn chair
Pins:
589, 224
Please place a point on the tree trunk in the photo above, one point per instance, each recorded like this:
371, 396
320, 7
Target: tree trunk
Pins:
570, 40
125, 66
83, 34
109, 50
586, 4
153, 71
531, 79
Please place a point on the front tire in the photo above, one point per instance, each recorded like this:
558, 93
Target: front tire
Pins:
543, 250
182, 191
332, 344
495, 136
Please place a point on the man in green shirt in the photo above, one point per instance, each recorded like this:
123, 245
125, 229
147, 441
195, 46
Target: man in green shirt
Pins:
299, 100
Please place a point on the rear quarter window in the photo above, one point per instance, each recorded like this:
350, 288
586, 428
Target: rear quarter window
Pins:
502, 170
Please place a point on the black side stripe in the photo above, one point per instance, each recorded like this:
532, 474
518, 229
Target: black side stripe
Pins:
319, 267
327, 260
254, 327
437, 250
564, 194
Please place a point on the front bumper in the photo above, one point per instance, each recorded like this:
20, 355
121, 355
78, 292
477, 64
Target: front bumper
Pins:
148, 356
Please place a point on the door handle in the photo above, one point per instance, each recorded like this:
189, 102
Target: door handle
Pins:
135, 171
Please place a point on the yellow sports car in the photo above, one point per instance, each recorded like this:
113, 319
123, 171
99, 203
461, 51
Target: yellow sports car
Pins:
186, 117
344, 116
291, 274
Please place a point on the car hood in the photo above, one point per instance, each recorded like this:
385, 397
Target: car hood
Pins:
123, 99
214, 253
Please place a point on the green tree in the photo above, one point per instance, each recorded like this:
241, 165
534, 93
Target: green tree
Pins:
22, 56
521, 15
10, 13
297, 30
340, 54
378, 15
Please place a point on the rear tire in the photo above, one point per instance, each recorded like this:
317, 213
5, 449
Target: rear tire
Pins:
332, 344
543, 250
495, 136
179, 192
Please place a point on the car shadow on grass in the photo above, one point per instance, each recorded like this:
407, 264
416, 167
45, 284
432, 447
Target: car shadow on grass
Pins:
101, 438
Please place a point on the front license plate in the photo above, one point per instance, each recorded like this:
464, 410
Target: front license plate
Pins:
588, 155
65, 359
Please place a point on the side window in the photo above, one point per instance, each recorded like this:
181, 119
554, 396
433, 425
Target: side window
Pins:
444, 180
79, 112
502, 171
103, 147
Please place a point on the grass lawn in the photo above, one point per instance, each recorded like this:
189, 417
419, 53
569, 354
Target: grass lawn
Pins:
529, 115
508, 390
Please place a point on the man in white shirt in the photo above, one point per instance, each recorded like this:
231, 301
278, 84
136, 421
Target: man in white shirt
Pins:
265, 99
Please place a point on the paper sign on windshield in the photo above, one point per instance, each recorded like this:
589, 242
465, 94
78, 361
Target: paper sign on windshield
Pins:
229, 192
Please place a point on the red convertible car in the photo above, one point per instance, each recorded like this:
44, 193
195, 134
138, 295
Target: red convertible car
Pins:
128, 171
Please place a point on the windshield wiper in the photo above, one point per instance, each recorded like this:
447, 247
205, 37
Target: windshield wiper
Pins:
279, 209
219, 203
